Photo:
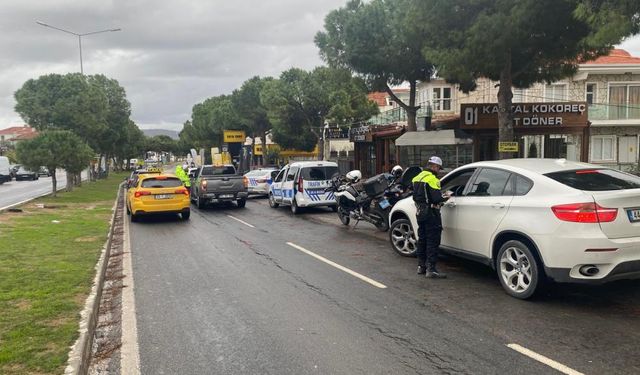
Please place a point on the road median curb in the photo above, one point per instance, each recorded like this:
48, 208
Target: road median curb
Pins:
80, 354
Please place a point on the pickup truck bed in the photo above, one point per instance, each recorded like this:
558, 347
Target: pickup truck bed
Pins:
214, 184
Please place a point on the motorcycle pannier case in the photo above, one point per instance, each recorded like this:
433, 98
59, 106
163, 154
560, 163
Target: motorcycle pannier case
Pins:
375, 185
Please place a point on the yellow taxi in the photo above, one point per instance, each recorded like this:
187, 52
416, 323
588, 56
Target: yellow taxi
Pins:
157, 194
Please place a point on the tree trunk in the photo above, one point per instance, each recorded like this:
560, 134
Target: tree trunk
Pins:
263, 137
69, 181
54, 182
411, 108
505, 112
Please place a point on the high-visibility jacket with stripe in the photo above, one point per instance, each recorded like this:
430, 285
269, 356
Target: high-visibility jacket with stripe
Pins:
426, 188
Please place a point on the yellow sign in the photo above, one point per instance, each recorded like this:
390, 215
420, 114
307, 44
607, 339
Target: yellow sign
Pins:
508, 147
257, 150
232, 136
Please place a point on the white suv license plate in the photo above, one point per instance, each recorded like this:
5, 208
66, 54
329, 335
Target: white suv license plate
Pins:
634, 214
163, 196
225, 196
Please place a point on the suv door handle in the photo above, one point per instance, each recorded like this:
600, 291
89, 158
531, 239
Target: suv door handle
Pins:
498, 205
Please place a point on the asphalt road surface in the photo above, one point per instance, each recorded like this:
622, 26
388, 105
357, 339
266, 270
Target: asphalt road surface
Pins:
14, 192
243, 291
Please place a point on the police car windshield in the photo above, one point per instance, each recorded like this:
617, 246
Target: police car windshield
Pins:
217, 171
318, 173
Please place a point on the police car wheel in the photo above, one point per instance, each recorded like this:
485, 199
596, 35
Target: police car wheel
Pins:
334, 208
272, 201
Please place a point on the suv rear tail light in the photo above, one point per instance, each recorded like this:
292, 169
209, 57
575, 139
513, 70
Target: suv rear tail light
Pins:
182, 191
140, 193
300, 182
585, 213
245, 182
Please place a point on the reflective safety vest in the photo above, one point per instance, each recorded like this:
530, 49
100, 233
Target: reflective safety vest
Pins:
182, 175
426, 188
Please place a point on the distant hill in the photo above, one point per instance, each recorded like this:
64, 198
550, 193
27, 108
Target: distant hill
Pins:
153, 132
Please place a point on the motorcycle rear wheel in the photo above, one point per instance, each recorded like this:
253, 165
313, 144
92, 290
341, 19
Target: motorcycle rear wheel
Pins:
383, 223
344, 218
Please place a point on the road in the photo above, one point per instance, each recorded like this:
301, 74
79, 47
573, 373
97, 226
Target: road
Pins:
15, 192
239, 291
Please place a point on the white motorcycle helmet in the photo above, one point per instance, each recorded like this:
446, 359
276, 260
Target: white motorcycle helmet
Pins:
397, 171
354, 176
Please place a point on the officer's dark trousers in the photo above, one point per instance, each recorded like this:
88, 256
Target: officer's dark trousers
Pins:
429, 233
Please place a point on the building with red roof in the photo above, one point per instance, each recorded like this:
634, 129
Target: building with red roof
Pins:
14, 134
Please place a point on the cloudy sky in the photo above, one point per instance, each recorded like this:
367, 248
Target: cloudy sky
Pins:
169, 55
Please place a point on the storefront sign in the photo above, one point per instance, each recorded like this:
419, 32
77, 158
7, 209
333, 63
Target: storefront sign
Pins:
336, 133
525, 115
360, 134
231, 136
508, 147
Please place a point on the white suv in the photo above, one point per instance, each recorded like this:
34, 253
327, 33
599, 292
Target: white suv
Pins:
532, 219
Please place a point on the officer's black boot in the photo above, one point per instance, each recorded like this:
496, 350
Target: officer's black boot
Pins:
422, 270
432, 273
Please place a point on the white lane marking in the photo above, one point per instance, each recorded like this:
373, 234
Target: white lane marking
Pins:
241, 221
336, 265
542, 359
129, 352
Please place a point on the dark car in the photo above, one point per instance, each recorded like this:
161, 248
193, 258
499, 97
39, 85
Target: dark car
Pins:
13, 170
44, 171
135, 173
23, 174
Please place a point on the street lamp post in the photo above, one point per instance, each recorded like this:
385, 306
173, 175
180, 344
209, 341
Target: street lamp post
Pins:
79, 37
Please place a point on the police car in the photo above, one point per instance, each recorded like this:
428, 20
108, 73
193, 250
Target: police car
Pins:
258, 181
303, 184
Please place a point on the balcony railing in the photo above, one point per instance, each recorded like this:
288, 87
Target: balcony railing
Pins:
610, 112
399, 115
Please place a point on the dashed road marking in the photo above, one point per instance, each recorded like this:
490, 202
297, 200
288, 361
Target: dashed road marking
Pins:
241, 221
545, 360
336, 265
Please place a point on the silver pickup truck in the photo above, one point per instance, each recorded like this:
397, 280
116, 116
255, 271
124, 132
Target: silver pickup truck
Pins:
213, 184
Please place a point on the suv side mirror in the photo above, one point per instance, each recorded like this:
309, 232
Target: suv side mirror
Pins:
274, 174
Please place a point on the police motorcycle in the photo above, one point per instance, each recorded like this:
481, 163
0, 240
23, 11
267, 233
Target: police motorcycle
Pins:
370, 200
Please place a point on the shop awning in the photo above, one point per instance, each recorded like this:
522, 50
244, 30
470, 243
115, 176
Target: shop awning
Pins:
433, 138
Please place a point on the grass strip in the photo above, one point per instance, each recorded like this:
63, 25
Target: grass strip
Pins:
47, 257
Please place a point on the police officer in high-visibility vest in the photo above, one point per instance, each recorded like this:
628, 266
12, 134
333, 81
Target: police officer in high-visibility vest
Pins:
428, 199
181, 173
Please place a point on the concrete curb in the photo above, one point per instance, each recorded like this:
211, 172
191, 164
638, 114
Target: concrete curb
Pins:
79, 356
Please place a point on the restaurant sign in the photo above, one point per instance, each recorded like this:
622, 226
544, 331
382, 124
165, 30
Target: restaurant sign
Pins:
360, 134
525, 115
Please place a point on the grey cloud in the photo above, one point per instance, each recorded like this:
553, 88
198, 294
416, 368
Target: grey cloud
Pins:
169, 55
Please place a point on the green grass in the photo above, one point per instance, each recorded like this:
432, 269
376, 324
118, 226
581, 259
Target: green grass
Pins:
46, 272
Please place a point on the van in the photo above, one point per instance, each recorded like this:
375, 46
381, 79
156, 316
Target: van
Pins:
5, 170
303, 184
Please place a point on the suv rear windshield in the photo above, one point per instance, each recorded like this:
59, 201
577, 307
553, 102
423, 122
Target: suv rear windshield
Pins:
217, 171
168, 182
318, 173
596, 179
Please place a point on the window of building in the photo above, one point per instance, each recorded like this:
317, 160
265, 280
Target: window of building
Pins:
441, 98
624, 101
519, 95
591, 94
603, 148
556, 92
628, 149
